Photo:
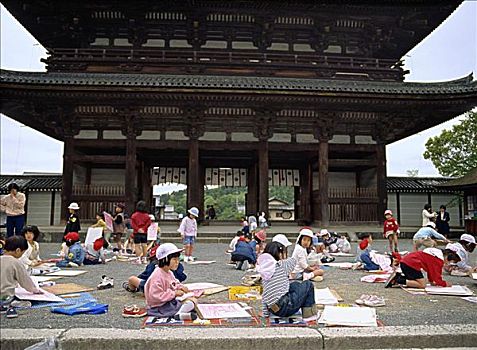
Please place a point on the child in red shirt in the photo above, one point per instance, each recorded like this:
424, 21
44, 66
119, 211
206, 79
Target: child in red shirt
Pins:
140, 221
391, 230
431, 260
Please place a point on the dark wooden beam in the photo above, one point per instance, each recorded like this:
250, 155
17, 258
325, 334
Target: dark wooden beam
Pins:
252, 190
323, 181
102, 159
263, 177
193, 174
381, 180
67, 189
130, 176
98, 198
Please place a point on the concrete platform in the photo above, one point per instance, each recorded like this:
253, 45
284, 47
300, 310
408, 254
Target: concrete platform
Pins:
444, 336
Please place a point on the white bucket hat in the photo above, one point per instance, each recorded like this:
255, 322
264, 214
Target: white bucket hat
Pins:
282, 239
323, 232
431, 224
74, 206
434, 252
305, 232
194, 211
468, 238
166, 249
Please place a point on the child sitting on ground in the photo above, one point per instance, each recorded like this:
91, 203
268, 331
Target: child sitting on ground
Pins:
391, 231
234, 241
258, 241
280, 297
136, 283
427, 236
431, 260
162, 288
31, 257
465, 246
244, 253
13, 273
302, 270
75, 255
95, 252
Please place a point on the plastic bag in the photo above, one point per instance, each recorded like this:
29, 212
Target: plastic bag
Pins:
46, 344
90, 308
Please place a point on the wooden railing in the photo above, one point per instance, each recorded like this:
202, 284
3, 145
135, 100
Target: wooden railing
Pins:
350, 204
89, 209
98, 190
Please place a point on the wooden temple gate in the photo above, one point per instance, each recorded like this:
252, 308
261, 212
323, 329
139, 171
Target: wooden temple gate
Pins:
316, 87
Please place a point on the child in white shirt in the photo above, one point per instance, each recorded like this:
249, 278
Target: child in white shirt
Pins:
302, 270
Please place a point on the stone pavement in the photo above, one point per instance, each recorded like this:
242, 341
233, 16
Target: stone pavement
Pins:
402, 309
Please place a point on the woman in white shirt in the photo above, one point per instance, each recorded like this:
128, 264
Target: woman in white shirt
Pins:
427, 215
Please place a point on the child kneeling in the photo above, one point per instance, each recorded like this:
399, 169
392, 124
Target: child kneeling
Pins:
281, 297
162, 287
431, 260
76, 254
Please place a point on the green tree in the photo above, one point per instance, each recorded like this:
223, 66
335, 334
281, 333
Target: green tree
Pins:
454, 152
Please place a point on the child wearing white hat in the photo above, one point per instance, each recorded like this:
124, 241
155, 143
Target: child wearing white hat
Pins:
73, 221
465, 246
162, 288
188, 231
303, 270
427, 236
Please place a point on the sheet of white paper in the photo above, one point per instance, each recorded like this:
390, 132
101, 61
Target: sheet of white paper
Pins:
213, 311
152, 231
474, 275
202, 285
201, 262
349, 316
454, 290
93, 234
344, 265
471, 299
38, 279
67, 273
108, 219
22, 294
325, 297
341, 254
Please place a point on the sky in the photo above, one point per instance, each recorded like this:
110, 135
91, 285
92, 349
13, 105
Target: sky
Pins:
449, 52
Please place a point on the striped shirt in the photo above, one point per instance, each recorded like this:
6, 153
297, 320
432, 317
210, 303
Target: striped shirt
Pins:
278, 285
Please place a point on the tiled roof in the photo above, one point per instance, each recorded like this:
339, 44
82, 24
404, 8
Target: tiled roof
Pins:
463, 85
468, 180
416, 184
31, 182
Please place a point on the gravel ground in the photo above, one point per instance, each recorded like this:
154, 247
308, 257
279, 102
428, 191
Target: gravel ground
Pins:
402, 308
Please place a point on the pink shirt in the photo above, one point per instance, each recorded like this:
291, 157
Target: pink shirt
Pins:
188, 227
160, 288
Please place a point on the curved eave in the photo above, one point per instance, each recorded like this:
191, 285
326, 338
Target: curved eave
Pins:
224, 84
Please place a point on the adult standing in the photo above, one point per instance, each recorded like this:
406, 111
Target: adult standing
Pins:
212, 214
428, 215
13, 204
442, 221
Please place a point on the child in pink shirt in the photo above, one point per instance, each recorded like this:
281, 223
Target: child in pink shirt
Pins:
162, 288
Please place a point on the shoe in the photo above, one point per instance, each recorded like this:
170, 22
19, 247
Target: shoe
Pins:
134, 311
106, 283
374, 301
245, 265
11, 313
317, 279
357, 266
309, 311
391, 281
129, 251
362, 299
115, 250
186, 316
238, 265
191, 258
21, 304
459, 273
72, 264
137, 261
128, 287
3, 309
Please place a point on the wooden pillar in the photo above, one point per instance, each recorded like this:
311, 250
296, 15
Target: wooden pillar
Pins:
381, 180
201, 192
130, 176
323, 181
305, 194
52, 208
193, 175
263, 177
146, 185
252, 190
67, 190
